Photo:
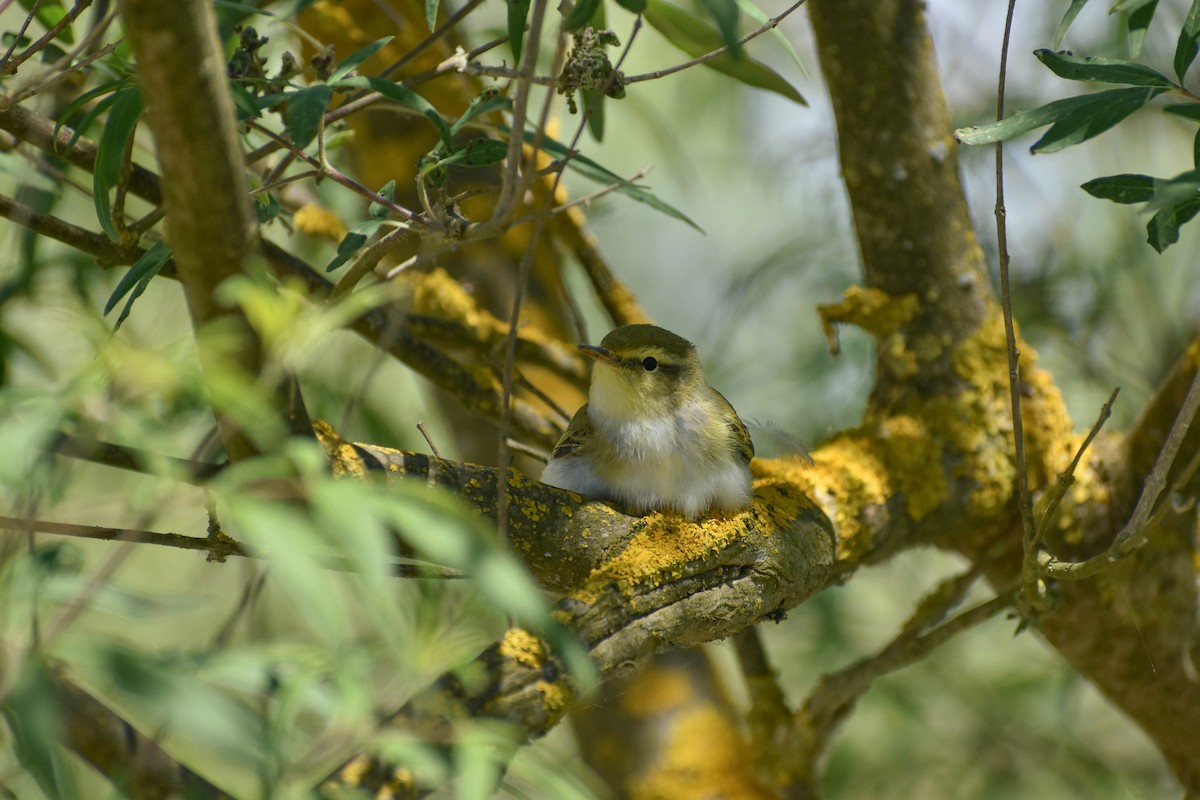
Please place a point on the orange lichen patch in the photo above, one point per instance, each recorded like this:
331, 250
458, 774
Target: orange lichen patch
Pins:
704, 758
656, 691
317, 220
343, 458
658, 553
523, 647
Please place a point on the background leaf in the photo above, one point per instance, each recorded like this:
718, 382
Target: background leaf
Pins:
137, 279
1067, 20
304, 111
1189, 40
360, 55
1121, 188
110, 152
405, 97
518, 13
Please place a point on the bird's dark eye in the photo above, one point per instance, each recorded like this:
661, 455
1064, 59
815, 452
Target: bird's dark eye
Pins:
649, 363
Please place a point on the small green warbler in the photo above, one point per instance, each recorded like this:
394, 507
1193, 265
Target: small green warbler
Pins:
653, 436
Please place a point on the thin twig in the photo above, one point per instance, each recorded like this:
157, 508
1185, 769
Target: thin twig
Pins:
424, 44
1131, 537
1029, 571
759, 31
587, 198
227, 546
11, 63
1067, 478
428, 439
366, 260
533, 452
129, 458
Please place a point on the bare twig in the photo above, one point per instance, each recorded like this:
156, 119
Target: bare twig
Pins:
366, 260
1029, 572
754, 34
220, 548
129, 458
428, 439
1067, 478
1131, 537
11, 63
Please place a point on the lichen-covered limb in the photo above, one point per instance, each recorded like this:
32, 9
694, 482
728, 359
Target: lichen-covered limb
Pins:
670, 584
942, 385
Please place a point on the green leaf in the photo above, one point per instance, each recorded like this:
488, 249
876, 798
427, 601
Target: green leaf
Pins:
581, 14
354, 239
726, 14
697, 37
1104, 70
593, 109
431, 9
388, 191
85, 122
593, 171
1095, 119
1126, 188
1186, 110
1074, 119
110, 152
405, 97
244, 102
1163, 229
636, 6
1067, 20
518, 13
31, 710
304, 111
1140, 15
1189, 40
478, 153
360, 55
137, 279
488, 100
1196, 150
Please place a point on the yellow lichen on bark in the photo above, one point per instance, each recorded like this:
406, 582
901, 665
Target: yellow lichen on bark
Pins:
659, 551
914, 460
319, 221
523, 647
343, 458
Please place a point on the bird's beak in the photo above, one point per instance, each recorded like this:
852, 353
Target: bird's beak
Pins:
597, 353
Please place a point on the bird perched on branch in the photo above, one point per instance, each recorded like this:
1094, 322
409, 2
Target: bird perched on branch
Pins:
654, 436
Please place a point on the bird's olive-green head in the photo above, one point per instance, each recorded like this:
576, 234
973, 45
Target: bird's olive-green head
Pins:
643, 371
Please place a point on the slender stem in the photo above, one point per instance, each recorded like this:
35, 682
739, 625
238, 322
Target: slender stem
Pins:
1029, 571
11, 63
754, 34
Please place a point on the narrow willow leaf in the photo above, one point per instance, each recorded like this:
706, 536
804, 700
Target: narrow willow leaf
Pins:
304, 111
1067, 20
360, 55
1128, 188
726, 14
594, 171
32, 710
354, 239
1189, 40
1139, 22
593, 108
244, 102
85, 122
134, 282
1068, 112
1163, 229
488, 100
1186, 110
581, 14
636, 6
1103, 70
431, 9
110, 152
518, 13
1089, 122
405, 97
697, 37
